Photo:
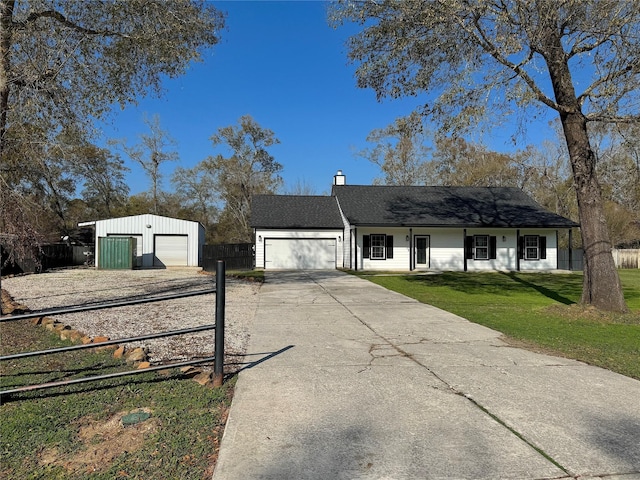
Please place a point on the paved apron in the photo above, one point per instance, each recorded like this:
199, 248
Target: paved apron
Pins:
366, 383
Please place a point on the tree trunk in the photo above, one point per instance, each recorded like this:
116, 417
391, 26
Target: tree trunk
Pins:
601, 285
6, 17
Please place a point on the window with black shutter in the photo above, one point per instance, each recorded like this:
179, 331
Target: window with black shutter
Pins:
378, 246
389, 244
493, 248
534, 247
481, 247
366, 246
468, 247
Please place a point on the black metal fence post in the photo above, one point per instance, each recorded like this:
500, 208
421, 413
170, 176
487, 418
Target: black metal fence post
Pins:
218, 369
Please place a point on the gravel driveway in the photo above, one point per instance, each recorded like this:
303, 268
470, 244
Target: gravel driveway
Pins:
86, 286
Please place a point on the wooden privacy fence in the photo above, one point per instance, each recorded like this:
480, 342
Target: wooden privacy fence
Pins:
46, 257
237, 256
627, 258
570, 260
623, 258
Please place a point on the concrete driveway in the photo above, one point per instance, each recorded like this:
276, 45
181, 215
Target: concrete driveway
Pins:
364, 383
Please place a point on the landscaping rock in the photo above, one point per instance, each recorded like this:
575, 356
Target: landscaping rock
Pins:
119, 353
136, 355
69, 334
203, 378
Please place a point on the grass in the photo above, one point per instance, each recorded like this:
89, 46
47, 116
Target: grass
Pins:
251, 275
73, 432
536, 310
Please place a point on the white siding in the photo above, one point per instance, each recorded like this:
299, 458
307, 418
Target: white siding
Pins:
149, 226
551, 262
348, 240
447, 250
400, 260
263, 234
506, 250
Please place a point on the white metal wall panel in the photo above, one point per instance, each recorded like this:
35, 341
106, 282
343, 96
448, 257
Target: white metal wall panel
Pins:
171, 250
300, 253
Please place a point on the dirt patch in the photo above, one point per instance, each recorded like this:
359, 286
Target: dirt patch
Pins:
102, 442
576, 312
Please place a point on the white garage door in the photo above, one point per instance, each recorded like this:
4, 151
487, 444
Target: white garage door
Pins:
300, 253
171, 250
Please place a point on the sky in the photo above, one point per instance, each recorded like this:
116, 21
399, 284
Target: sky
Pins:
281, 63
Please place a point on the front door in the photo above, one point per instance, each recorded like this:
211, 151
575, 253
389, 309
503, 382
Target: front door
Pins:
422, 251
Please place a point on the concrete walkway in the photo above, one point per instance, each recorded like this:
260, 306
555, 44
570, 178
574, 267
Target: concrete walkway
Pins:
369, 384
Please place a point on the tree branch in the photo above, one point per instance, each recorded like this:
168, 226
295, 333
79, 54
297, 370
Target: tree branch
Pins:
608, 78
59, 17
599, 118
485, 43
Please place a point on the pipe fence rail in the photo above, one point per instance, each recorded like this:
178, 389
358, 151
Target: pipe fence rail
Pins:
218, 327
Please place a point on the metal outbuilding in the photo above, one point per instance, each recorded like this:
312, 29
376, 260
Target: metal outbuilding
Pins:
160, 241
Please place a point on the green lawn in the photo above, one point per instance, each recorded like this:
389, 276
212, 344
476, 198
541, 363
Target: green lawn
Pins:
74, 432
538, 310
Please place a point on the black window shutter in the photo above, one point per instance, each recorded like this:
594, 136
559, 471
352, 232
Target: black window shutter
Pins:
468, 247
493, 248
521, 248
366, 246
543, 247
389, 246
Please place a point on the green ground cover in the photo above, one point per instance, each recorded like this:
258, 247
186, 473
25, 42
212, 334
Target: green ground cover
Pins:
76, 432
536, 310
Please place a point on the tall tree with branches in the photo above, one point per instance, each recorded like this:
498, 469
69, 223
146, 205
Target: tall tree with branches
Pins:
248, 170
65, 63
487, 59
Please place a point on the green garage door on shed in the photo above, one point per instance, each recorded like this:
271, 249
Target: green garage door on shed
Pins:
171, 250
300, 253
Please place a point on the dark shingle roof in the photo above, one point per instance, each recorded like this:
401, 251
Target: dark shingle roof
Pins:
295, 211
444, 207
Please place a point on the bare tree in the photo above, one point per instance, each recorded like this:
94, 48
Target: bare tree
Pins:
151, 152
486, 59
400, 151
301, 187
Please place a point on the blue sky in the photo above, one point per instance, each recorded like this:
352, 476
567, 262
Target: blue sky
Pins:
281, 63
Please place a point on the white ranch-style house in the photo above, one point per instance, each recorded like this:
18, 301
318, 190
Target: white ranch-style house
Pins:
404, 228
